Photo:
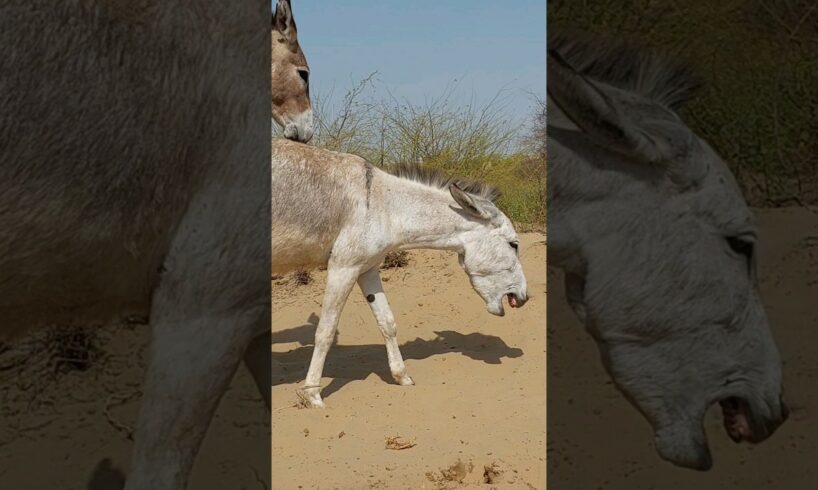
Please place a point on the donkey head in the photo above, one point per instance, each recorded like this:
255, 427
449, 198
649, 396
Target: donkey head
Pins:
490, 253
290, 77
657, 244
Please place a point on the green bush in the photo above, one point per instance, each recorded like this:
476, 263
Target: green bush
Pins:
758, 60
471, 140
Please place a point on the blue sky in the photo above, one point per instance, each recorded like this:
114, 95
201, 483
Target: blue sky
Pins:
420, 47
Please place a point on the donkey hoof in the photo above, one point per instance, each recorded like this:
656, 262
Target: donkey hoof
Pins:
404, 380
310, 398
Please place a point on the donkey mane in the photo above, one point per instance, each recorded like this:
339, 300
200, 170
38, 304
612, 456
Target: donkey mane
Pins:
628, 66
441, 180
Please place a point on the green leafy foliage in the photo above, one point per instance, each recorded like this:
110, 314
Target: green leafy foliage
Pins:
758, 60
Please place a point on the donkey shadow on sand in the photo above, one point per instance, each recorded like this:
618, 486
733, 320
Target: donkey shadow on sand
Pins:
288, 367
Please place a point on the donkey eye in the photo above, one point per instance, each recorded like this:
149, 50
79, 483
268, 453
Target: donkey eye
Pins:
514, 245
305, 75
740, 246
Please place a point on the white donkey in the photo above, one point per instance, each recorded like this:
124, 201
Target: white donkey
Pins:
658, 247
338, 210
133, 181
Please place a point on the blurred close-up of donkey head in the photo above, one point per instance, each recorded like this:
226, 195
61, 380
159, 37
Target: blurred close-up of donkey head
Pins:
658, 247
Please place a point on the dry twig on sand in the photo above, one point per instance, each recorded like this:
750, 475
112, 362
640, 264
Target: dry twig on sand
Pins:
116, 400
397, 443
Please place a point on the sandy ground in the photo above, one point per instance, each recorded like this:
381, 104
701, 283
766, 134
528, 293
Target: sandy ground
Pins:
477, 404
478, 401
53, 433
597, 440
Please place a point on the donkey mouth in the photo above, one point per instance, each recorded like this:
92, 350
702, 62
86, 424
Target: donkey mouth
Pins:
737, 419
514, 301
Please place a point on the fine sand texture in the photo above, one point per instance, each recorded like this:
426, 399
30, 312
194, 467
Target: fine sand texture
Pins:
59, 423
597, 440
474, 419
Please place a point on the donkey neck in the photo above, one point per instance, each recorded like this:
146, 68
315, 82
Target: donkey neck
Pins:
423, 216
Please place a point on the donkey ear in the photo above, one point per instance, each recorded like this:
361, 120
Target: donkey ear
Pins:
600, 111
283, 21
475, 206
595, 112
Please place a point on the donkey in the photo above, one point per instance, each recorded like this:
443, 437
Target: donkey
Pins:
338, 210
146, 192
657, 246
289, 77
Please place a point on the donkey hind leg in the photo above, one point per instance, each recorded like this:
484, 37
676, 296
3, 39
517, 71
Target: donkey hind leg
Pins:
339, 284
257, 360
191, 365
370, 284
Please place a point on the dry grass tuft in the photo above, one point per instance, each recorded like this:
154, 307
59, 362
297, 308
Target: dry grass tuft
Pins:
72, 348
396, 260
52, 351
300, 278
32, 364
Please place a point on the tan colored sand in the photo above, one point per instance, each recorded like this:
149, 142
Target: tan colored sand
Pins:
489, 411
56, 437
476, 412
476, 409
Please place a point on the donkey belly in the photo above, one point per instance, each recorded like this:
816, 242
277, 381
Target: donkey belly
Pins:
299, 248
92, 186
313, 199
46, 280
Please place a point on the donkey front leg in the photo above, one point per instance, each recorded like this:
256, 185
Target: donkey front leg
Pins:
339, 284
370, 284
192, 362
